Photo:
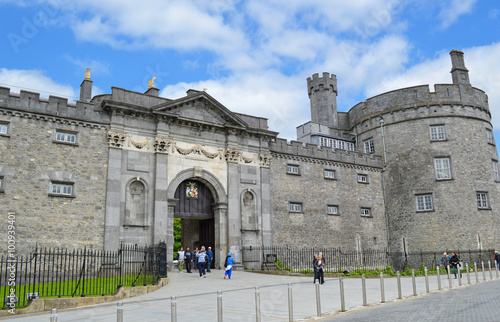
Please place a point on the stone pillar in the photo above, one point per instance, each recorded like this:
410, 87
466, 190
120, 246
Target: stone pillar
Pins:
113, 200
170, 232
221, 233
266, 220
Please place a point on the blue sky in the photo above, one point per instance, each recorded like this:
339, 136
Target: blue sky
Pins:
252, 56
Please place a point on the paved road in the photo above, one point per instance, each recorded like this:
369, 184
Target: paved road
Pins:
238, 297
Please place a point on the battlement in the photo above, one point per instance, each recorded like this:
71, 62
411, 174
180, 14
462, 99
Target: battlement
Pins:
324, 154
136, 98
327, 82
57, 106
404, 98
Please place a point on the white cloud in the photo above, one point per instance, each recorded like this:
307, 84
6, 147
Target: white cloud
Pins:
451, 11
36, 81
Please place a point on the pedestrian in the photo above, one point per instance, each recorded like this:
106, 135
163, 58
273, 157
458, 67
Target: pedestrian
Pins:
497, 258
314, 268
228, 264
180, 259
210, 256
455, 263
445, 262
195, 258
319, 264
188, 259
201, 256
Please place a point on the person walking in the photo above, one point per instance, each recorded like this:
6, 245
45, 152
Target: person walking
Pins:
455, 263
188, 259
201, 256
195, 258
497, 259
314, 268
180, 259
319, 265
229, 266
210, 256
445, 262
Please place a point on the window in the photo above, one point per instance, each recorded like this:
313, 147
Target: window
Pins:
332, 210
369, 147
2, 184
482, 200
496, 174
294, 207
61, 189
366, 212
443, 170
65, 137
489, 136
4, 128
329, 174
362, 178
424, 202
438, 133
337, 144
292, 169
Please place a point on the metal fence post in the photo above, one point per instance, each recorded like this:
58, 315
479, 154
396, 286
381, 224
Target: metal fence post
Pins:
53, 315
497, 268
484, 272
475, 271
318, 300
257, 304
219, 306
438, 277
489, 268
468, 272
450, 282
363, 288
173, 309
414, 282
342, 299
400, 294
382, 290
119, 312
290, 303
459, 275
426, 281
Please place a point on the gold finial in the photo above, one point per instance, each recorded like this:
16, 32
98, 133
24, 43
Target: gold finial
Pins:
151, 82
87, 74
204, 89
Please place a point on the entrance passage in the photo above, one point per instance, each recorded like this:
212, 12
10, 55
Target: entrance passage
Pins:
195, 209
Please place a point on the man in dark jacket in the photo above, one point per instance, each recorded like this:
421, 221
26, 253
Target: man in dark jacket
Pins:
188, 259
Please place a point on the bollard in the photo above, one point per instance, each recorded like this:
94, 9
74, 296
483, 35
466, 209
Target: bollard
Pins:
257, 304
484, 272
426, 281
290, 303
475, 271
382, 290
449, 277
173, 309
342, 299
318, 300
414, 282
497, 268
468, 273
219, 306
363, 288
439, 277
119, 312
53, 315
489, 267
459, 275
400, 294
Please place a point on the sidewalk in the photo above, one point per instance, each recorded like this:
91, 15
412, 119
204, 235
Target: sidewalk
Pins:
238, 298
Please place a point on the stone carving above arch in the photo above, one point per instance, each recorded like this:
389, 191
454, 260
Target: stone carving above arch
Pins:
211, 181
116, 139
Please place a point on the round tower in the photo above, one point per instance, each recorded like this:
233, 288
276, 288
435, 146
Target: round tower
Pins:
323, 97
442, 174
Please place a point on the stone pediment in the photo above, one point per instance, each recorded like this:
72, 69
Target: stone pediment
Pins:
200, 106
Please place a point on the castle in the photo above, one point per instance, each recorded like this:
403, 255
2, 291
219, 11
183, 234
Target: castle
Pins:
409, 169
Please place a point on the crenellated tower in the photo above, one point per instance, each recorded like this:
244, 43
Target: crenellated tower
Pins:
323, 97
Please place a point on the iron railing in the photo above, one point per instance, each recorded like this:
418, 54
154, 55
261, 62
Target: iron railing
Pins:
337, 260
56, 272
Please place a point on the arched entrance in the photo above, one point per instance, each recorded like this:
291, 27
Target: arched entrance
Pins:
194, 208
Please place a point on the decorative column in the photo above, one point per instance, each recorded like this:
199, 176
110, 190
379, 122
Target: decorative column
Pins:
170, 232
221, 233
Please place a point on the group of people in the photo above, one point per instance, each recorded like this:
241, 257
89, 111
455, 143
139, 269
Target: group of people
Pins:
202, 260
452, 262
319, 267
